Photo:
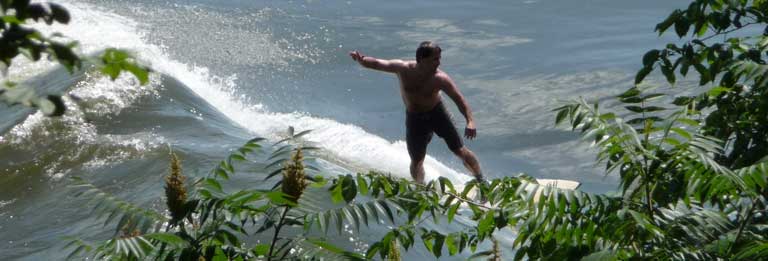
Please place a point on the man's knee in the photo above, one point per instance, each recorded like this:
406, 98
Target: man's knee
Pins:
461, 151
417, 162
417, 156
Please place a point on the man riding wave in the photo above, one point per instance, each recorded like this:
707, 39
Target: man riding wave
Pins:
420, 84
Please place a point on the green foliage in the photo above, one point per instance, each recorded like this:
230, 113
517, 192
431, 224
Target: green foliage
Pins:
17, 38
734, 70
214, 220
116, 61
50, 105
691, 172
132, 217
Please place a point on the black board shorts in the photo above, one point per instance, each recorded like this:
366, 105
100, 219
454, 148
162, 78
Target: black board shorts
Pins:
419, 127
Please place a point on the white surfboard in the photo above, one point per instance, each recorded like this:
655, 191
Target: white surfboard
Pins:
557, 183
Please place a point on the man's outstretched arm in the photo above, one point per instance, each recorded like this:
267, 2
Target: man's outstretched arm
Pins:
450, 89
393, 66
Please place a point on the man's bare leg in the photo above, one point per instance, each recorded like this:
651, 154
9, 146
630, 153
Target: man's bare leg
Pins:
470, 161
417, 170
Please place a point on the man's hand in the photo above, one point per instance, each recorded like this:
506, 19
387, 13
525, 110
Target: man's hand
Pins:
470, 132
356, 56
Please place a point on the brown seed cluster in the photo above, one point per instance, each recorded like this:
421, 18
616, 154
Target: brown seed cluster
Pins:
394, 251
294, 181
175, 192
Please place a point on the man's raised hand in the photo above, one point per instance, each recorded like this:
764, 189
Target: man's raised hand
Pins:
356, 56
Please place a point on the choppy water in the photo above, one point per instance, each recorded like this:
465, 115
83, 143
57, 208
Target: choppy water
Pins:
226, 71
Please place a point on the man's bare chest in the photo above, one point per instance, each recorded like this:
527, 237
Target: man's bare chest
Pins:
419, 85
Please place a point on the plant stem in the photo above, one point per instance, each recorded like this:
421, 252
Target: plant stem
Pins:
647, 170
460, 198
727, 31
277, 232
747, 218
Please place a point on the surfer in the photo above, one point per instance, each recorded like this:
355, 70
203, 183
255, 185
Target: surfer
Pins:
420, 85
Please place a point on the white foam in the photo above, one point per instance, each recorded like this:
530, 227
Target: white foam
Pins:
4, 203
96, 29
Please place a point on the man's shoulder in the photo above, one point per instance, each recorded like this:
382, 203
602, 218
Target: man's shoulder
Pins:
441, 75
407, 66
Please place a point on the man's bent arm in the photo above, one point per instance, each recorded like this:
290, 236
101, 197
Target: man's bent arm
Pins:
453, 92
393, 66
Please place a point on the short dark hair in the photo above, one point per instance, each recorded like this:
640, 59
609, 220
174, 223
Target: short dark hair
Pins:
427, 49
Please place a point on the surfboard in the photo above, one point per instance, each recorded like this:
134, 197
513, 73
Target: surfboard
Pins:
557, 183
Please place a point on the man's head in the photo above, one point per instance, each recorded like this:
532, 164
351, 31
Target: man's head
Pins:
428, 54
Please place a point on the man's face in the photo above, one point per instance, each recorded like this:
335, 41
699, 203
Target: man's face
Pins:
431, 62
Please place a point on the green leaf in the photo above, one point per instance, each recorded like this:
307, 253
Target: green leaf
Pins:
323, 220
642, 74
372, 250
212, 183
652, 96
608, 116
449, 241
643, 120
334, 249
300, 134
51, 105
278, 198
221, 173
631, 92
111, 70
763, 43
361, 212
639, 109
261, 250
561, 116
633, 99
116, 61
483, 254
65, 56
237, 157
336, 192
384, 208
352, 218
714, 92
370, 207
603, 255
661, 27
487, 224
168, 238
452, 211
349, 188
362, 185
672, 141
650, 57
445, 182
578, 119
339, 220
437, 249
12, 19
59, 13
683, 133
319, 182
681, 26
703, 73
683, 100
669, 74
